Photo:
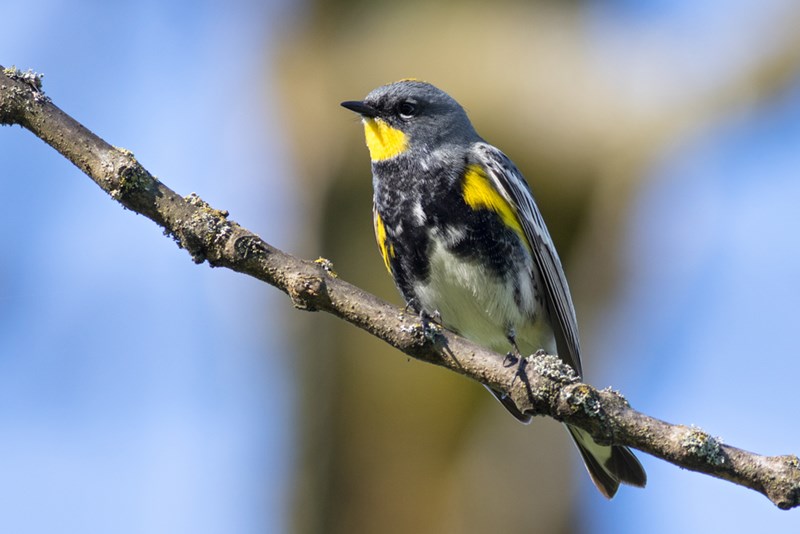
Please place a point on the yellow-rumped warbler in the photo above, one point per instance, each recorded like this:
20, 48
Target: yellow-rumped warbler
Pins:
462, 237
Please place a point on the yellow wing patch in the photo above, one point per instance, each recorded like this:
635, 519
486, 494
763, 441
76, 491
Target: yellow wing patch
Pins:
383, 141
479, 193
380, 236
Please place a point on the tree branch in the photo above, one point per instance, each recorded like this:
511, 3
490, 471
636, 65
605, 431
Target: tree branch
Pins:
539, 385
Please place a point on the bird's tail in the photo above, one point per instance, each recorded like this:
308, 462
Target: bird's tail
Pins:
608, 465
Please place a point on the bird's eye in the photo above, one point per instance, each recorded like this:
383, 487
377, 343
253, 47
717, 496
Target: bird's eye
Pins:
407, 109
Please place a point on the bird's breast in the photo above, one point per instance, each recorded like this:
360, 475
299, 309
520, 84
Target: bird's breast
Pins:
480, 305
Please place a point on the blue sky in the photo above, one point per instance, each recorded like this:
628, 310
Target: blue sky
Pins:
704, 325
138, 391
142, 393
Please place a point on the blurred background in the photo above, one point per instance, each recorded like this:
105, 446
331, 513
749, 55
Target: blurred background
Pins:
142, 393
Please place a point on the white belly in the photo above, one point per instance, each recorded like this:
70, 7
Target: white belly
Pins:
481, 306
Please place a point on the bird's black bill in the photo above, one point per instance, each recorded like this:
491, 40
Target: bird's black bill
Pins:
361, 108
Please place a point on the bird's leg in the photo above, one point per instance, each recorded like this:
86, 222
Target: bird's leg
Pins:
431, 323
433, 317
512, 356
424, 315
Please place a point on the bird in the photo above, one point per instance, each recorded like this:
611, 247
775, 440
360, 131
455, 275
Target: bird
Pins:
461, 235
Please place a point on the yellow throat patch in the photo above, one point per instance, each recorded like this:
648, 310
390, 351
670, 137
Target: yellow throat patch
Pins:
479, 193
383, 141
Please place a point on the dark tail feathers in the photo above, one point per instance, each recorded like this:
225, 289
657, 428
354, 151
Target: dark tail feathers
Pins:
608, 465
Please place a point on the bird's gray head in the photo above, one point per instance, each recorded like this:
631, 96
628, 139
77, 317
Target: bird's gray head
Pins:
408, 115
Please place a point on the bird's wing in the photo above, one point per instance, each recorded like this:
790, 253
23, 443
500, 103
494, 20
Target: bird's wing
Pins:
509, 182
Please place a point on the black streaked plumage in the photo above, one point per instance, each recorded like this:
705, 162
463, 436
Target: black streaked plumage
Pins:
466, 241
